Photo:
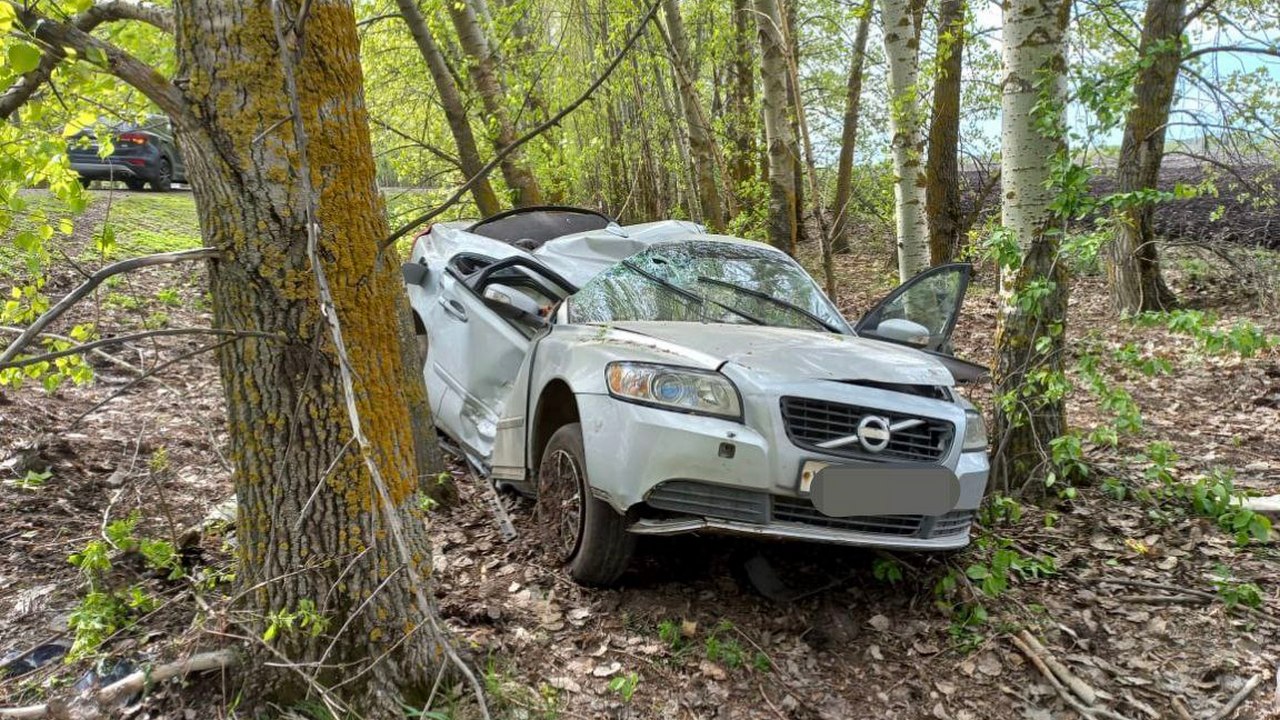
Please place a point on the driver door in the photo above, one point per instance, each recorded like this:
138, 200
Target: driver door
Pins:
932, 301
475, 349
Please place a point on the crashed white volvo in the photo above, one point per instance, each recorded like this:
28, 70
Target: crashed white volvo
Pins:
655, 379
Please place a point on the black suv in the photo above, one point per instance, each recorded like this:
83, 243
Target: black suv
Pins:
144, 154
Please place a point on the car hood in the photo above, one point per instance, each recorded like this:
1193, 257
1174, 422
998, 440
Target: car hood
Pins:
800, 353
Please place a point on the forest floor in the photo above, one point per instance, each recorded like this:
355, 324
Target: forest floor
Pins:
1126, 579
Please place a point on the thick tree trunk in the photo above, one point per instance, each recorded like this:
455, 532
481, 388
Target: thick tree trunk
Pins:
741, 101
783, 201
701, 145
483, 69
1136, 282
901, 48
849, 135
1030, 328
314, 528
455, 111
942, 195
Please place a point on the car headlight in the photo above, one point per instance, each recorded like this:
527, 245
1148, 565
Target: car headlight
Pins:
675, 388
975, 431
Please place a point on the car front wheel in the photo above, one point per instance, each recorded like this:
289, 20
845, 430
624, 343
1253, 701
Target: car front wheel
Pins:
578, 530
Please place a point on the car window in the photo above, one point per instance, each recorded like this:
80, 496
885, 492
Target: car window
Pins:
707, 281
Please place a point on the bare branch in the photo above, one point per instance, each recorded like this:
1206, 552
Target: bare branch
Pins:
1233, 49
120, 339
94, 281
535, 132
107, 11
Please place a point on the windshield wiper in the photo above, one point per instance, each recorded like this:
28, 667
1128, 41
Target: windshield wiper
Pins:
769, 298
689, 294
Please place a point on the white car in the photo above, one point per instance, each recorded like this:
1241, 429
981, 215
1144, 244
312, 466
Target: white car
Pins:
654, 379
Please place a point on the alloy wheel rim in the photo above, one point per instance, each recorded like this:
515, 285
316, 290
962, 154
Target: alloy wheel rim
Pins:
560, 504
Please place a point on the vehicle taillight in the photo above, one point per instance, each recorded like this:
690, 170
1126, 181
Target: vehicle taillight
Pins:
135, 138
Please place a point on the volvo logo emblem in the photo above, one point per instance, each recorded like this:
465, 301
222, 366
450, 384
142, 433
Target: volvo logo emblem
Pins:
873, 433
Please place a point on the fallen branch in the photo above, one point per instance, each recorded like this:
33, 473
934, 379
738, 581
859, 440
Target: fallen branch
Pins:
119, 339
135, 682
94, 281
1078, 686
1207, 596
1063, 692
1242, 695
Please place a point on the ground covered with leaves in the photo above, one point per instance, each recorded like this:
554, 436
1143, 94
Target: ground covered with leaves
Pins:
1137, 570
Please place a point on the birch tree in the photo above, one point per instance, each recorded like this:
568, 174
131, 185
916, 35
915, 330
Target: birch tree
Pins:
902, 50
701, 145
783, 153
1033, 283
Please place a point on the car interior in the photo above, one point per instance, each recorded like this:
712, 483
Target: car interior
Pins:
529, 228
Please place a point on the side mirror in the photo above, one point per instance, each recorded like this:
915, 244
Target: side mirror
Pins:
508, 301
415, 273
903, 331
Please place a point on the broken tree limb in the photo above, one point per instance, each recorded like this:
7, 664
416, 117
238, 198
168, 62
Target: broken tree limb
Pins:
1235, 701
1067, 696
94, 281
119, 339
1078, 686
137, 681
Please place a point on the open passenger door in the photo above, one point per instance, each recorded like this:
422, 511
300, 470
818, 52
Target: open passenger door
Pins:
922, 313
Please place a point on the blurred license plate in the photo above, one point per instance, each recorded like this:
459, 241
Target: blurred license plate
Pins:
880, 489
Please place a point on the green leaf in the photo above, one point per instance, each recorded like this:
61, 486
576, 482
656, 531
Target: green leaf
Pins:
7, 18
23, 58
977, 572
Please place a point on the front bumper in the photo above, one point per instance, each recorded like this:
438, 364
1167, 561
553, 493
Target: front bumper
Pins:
107, 170
746, 476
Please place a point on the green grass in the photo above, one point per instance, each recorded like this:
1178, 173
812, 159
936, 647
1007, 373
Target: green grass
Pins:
146, 223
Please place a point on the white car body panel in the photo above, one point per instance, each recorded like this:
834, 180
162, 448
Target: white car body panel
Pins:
486, 379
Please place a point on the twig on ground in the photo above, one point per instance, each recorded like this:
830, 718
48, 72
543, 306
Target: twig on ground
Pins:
1162, 599
1078, 686
1235, 701
505, 526
1181, 709
1207, 596
135, 682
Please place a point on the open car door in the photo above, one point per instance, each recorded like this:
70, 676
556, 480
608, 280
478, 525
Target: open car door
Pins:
922, 313
480, 329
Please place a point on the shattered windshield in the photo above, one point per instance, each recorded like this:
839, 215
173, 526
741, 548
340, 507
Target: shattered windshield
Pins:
707, 281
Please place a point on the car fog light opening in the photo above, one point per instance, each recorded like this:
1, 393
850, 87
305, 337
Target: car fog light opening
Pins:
975, 431
674, 388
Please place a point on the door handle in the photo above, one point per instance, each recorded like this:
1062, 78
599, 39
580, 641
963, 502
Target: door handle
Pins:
454, 309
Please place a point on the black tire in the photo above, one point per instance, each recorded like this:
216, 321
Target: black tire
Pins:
85, 182
578, 531
163, 180
134, 185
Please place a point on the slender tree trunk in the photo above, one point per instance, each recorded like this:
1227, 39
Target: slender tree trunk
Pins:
455, 111
1030, 327
849, 134
702, 147
783, 200
790, 13
902, 50
942, 195
483, 69
741, 101
1136, 282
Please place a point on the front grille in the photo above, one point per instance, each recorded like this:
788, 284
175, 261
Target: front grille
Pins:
810, 422
753, 506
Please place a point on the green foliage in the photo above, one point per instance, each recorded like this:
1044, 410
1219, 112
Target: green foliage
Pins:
669, 632
999, 510
1243, 338
1233, 592
304, 619
722, 650
625, 685
32, 480
886, 569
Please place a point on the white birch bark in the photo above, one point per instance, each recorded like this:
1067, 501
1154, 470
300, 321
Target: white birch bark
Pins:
902, 51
